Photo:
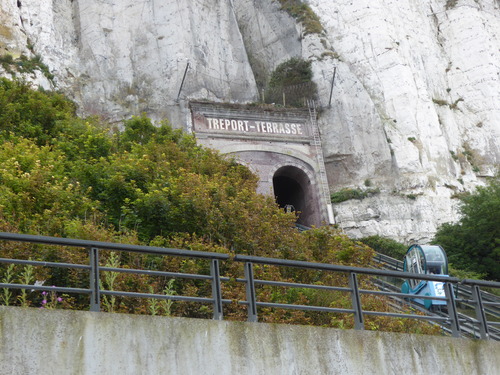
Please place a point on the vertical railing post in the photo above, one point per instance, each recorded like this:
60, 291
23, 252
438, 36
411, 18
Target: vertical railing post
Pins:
216, 289
95, 297
452, 309
250, 288
356, 302
480, 315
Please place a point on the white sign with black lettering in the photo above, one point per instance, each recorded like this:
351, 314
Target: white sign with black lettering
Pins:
224, 125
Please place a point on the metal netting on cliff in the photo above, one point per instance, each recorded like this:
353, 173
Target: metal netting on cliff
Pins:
290, 96
212, 86
204, 85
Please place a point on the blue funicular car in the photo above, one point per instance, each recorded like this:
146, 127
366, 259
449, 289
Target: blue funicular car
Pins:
426, 260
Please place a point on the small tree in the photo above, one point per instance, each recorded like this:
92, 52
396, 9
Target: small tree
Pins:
386, 246
291, 83
473, 243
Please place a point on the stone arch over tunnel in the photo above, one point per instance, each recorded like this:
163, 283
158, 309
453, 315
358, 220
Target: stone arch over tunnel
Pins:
288, 179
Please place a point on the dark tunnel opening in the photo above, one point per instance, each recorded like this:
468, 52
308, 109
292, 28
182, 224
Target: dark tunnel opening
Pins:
292, 191
288, 192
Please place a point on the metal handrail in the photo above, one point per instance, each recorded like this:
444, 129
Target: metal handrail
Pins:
463, 290
94, 268
110, 246
453, 319
340, 268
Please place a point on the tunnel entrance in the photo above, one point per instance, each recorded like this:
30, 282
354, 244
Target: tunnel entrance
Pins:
289, 193
292, 190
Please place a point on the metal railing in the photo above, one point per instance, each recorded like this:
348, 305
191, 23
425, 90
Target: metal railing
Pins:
451, 318
95, 290
464, 291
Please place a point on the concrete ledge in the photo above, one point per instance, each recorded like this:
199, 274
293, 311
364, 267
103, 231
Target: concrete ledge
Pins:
35, 341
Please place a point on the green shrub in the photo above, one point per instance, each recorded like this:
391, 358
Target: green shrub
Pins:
23, 64
385, 246
463, 274
291, 83
472, 243
291, 72
304, 14
347, 194
149, 185
450, 4
31, 113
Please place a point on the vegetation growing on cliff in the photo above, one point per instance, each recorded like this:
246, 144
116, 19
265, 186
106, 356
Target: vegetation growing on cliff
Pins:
348, 194
304, 14
80, 178
24, 64
291, 83
450, 4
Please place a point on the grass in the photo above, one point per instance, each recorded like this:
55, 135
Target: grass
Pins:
303, 13
440, 102
450, 4
348, 194
23, 64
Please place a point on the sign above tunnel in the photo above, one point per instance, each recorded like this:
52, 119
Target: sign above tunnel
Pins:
281, 145
231, 125
227, 123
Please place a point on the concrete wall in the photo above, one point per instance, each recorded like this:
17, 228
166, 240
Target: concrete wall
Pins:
34, 341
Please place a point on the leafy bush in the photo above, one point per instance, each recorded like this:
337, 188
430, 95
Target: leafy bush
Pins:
70, 177
291, 72
461, 274
291, 80
386, 246
30, 113
23, 64
473, 244
347, 194
304, 14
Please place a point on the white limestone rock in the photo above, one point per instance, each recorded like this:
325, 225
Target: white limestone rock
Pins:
134, 54
270, 35
431, 78
122, 58
415, 107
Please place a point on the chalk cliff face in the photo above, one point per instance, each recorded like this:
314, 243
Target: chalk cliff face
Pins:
122, 58
415, 104
417, 107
